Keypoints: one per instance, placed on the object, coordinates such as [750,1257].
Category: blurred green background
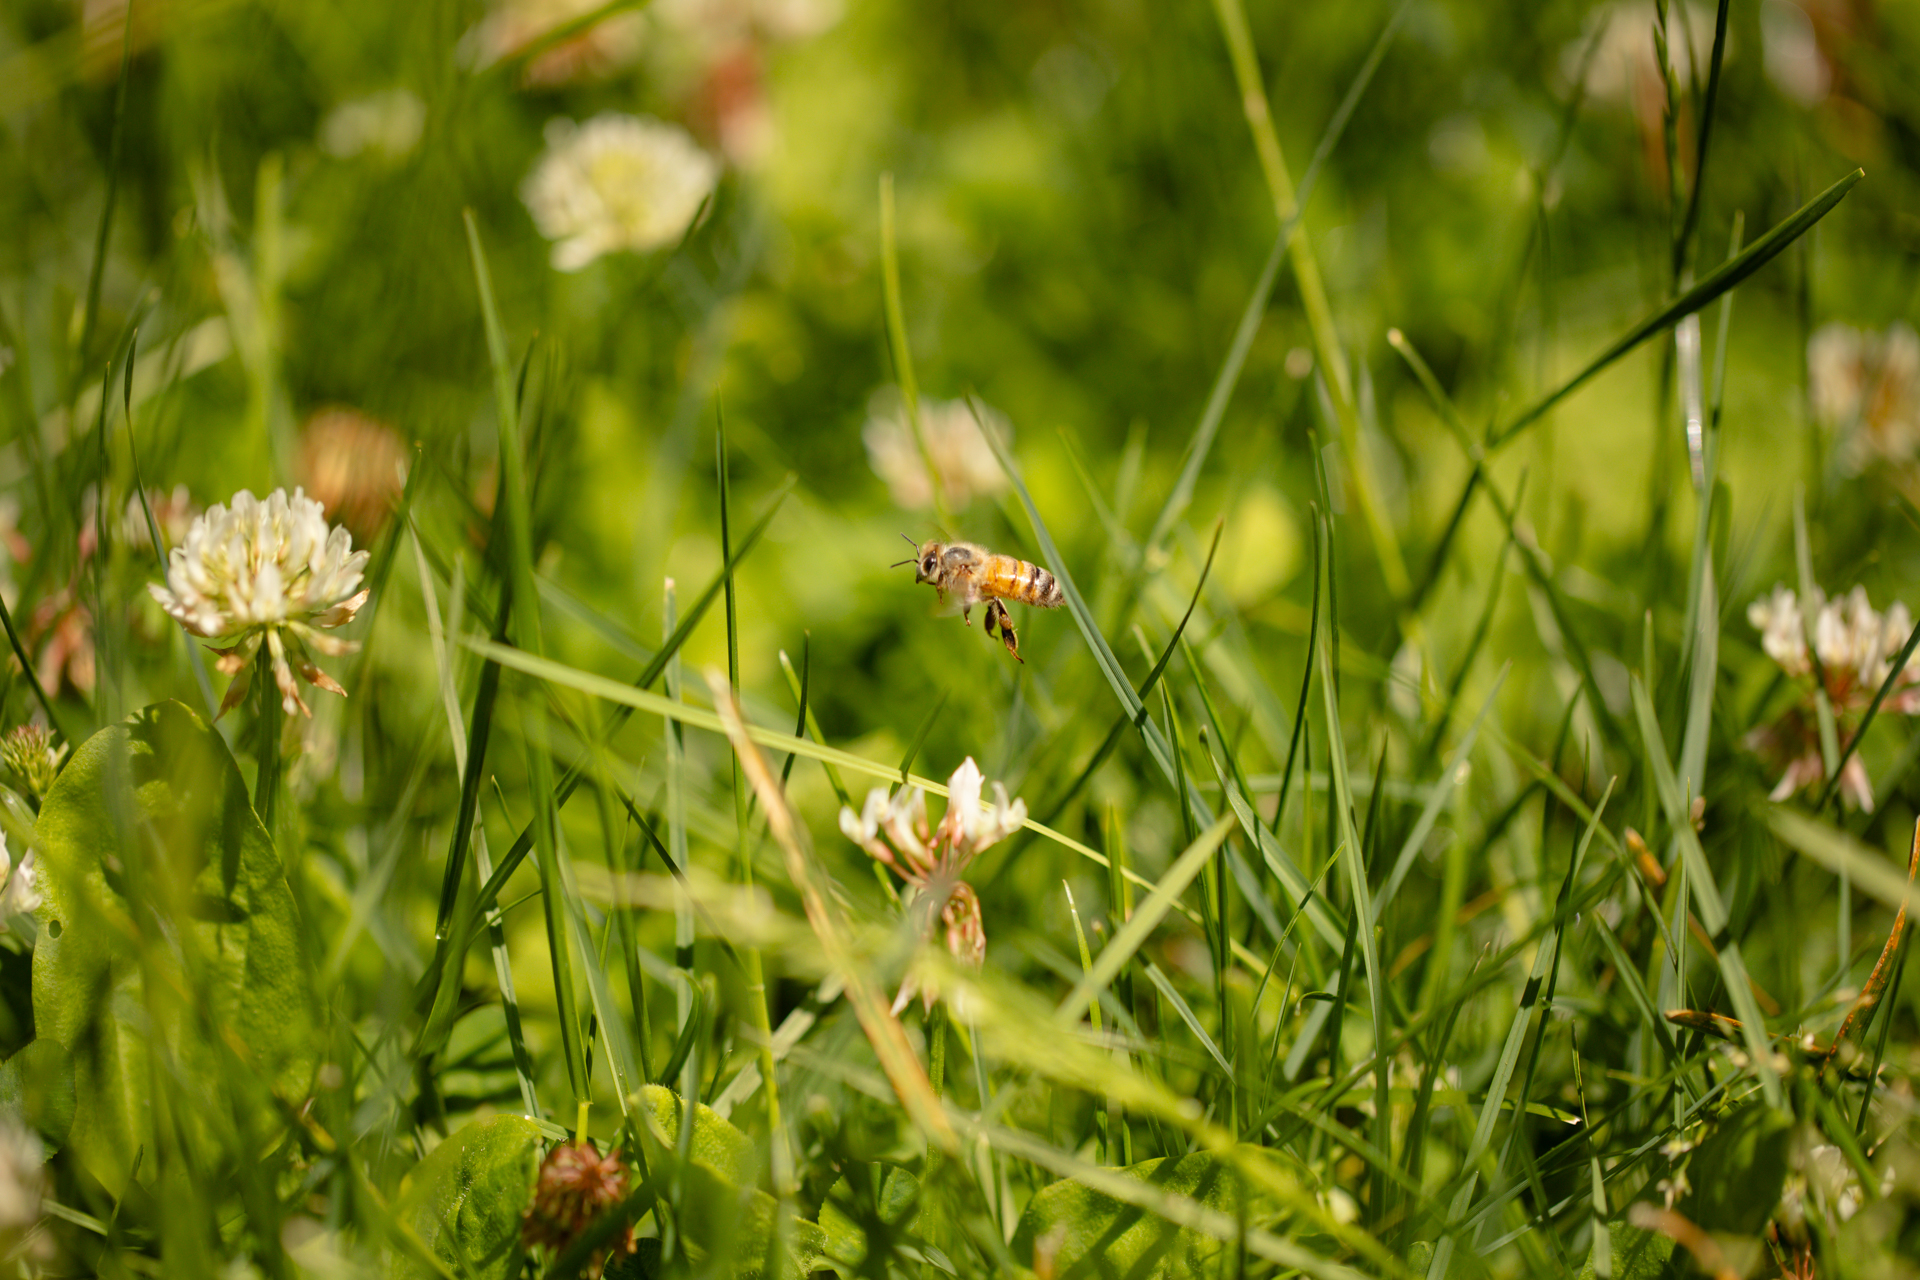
[1081,220]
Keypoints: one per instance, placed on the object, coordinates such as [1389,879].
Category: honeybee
[973,575]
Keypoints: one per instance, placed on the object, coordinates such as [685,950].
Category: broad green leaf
[1075,1230]
[1737,1172]
[885,1203]
[1637,1254]
[717,1146]
[37,1085]
[166,925]
[465,1200]
[722,1212]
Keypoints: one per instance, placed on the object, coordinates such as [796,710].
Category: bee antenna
[897,563]
[911,542]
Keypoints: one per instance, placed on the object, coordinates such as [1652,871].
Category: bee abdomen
[1045,591]
[1022,580]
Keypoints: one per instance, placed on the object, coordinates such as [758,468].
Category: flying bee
[973,575]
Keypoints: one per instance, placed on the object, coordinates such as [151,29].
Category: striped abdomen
[1013,579]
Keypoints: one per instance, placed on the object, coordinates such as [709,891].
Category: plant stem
[267,784]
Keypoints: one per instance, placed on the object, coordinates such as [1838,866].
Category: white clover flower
[932,863]
[969,827]
[1856,646]
[1865,387]
[21,1175]
[1783,632]
[961,454]
[20,893]
[617,182]
[387,124]
[272,573]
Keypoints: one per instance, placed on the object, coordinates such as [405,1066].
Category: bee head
[925,559]
[927,566]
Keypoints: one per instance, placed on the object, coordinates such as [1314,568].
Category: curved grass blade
[1130,936]
[1757,255]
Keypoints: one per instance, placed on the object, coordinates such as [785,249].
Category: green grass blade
[1361,896]
[1103,655]
[1130,936]
[526,628]
[1756,255]
[1442,791]
[96,273]
[1840,853]
[1181,1007]
[1495,1100]
[1229,376]
[1702,150]
[1706,897]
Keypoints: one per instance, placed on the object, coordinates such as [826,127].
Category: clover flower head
[355,467]
[20,893]
[1865,387]
[28,752]
[960,451]
[21,1181]
[576,1185]
[615,183]
[173,512]
[270,573]
[387,125]
[968,827]
[1855,646]
[931,862]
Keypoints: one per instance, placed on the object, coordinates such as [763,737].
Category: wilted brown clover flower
[1856,646]
[577,1186]
[355,467]
[932,861]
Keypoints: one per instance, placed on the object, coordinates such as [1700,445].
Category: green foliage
[148,835]
[1637,1254]
[730,1222]
[463,1203]
[36,1084]
[1737,1171]
[1439,846]
[870,1202]
[1089,1233]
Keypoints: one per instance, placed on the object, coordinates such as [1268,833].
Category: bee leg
[998,617]
[966,614]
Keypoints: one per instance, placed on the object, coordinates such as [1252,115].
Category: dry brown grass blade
[889,1039]
[1883,968]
